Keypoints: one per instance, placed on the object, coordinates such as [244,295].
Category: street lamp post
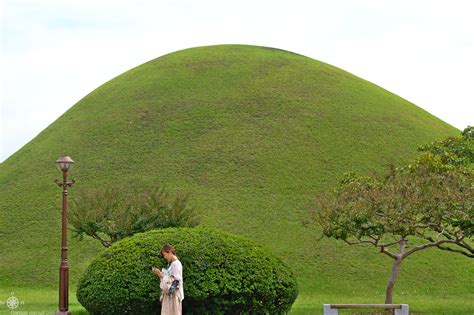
[64,163]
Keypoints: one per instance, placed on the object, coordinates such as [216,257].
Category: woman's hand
[157,272]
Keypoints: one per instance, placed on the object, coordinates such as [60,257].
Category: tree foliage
[112,214]
[428,203]
[454,151]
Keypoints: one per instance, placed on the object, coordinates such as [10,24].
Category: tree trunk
[391,280]
[393,276]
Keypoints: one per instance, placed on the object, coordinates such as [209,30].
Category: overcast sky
[54,52]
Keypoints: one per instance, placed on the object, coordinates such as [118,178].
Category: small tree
[426,204]
[112,214]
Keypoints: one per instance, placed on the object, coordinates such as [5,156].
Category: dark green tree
[112,214]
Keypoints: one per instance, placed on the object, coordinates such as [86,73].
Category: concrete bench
[333,309]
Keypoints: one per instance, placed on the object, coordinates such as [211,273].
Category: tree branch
[469,250]
[104,242]
[432,244]
[466,246]
[374,242]
[390,244]
[460,251]
[361,242]
[386,252]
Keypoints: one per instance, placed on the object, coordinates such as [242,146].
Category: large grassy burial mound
[252,133]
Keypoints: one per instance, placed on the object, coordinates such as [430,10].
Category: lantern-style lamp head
[64,163]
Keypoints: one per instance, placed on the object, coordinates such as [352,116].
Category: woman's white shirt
[176,270]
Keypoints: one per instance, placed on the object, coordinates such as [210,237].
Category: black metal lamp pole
[64,163]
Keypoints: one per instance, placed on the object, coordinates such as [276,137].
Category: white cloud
[59,51]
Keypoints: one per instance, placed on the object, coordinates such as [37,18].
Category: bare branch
[390,244]
[467,249]
[466,246]
[360,242]
[432,244]
[104,242]
[460,251]
[386,252]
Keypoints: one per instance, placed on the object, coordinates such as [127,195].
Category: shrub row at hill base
[223,274]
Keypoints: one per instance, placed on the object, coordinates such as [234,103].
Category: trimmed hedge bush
[223,274]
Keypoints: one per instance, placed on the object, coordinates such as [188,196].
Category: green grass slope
[253,133]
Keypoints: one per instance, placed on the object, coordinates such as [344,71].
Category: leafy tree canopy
[112,214]
[454,151]
[429,199]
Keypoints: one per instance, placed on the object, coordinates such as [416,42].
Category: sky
[55,52]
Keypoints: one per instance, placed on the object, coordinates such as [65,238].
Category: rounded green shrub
[223,274]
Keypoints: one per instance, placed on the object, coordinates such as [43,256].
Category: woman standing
[171,284]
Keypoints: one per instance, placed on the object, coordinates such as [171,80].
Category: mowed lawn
[40,301]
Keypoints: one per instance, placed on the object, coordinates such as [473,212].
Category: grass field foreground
[44,302]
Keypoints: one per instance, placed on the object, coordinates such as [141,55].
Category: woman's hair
[169,249]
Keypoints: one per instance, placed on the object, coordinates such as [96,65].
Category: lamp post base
[62,313]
